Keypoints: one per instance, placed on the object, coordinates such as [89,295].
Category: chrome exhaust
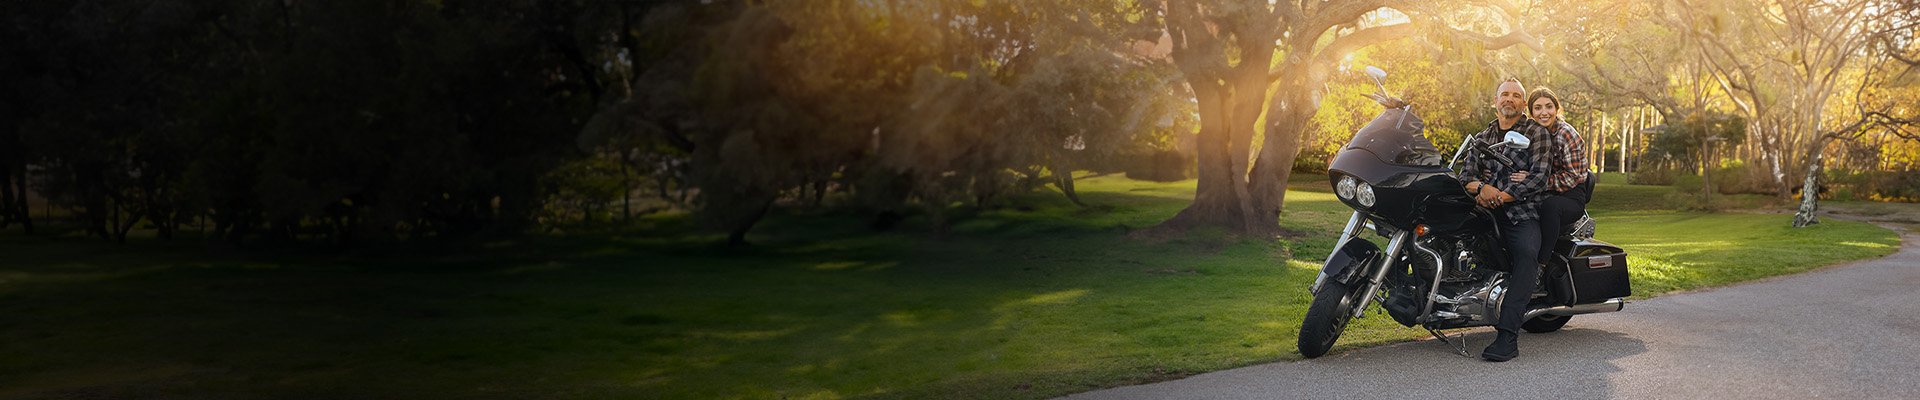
[1611,305]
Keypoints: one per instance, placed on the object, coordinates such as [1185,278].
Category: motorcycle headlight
[1345,187]
[1364,195]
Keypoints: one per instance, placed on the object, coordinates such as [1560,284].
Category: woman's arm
[1570,159]
[1542,164]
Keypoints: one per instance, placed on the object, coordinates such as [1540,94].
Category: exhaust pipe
[1611,305]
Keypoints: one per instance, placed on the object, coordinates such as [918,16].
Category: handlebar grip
[1504,160]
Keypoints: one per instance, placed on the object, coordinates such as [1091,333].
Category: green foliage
[790,97]
[1683,143]
[1898,186]
[1613,177]
[1448,87]
[1736,176]
[578,191]
[1656,176]
[351,120]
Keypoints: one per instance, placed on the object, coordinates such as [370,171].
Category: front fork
[1379,272]
[1353,224]
[1399,242]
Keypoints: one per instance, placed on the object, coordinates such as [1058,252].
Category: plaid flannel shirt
[1534,159]
[1569,158]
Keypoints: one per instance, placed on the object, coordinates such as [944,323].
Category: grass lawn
[1032,301]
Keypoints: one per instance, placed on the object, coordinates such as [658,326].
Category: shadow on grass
[818,306]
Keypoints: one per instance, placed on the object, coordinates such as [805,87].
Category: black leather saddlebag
[1597,271]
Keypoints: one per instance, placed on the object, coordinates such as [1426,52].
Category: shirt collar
[1497,134]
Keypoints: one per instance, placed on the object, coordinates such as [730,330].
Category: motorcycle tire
[1545,323]
[1332,308]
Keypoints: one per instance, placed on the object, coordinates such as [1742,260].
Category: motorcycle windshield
[1398,137]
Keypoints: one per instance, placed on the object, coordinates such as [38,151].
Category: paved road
[1845,332]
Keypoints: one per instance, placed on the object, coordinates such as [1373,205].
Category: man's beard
[1510,112]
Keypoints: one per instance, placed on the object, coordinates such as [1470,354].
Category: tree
[1247,59]
[1890,62]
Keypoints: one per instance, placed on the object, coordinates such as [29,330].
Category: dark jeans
[1558,211]
[1523,251]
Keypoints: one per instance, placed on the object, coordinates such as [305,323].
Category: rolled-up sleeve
[1570,159]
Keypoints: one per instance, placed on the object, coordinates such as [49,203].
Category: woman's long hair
[1543,91]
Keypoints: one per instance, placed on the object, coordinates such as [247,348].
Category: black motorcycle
[1443,265]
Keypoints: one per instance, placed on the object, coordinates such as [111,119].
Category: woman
[1569,186]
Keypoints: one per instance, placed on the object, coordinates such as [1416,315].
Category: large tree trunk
[25,214]
[1220,198]
[1230,100]
[13,179]
[8,199]
[738,227]
[1063,177]
[1287,122]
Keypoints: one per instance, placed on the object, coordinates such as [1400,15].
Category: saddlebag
[1596,271]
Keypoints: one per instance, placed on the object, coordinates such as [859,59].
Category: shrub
[1660,177]
[1738,177]
[1312,161]
[1686,183]
[1614,177]
[1161,166]
[1840,193]
[1901,186]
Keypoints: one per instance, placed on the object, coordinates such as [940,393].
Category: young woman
[1569,186]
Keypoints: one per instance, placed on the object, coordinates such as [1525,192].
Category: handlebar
[1504,160]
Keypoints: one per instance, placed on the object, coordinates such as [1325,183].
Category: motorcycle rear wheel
[1545,323]
[1332,308]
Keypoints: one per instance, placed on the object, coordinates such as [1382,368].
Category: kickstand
[1460,347]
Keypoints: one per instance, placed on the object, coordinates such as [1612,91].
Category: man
[1515,203]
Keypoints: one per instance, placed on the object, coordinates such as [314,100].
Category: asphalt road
[1845,332]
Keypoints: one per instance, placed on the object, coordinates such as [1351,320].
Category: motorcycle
[1443,266]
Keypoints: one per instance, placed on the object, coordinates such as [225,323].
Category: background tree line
[383,120]
[378,120]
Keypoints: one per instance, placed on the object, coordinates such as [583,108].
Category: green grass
[1020,302]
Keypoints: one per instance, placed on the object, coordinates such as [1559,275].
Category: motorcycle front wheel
[1326,318]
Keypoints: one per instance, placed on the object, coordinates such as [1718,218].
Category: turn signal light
[1420,230]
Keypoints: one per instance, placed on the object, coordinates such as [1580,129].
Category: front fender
[1346,264]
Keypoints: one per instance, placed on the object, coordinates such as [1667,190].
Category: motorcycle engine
[1469,295]
[1470,304]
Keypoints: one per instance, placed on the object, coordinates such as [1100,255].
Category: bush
[1660,177]
[1312,161]
[1686,195]
[1162,166]
[1840,193]
[1614,177]
[1901,186]
[1738,177]
[1686,184]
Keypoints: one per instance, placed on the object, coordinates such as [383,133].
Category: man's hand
[1490,197]
[1517,177]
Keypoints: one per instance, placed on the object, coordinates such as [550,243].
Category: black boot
[1505,347]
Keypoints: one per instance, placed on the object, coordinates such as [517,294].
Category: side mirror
[1517,140]
[1379,79]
